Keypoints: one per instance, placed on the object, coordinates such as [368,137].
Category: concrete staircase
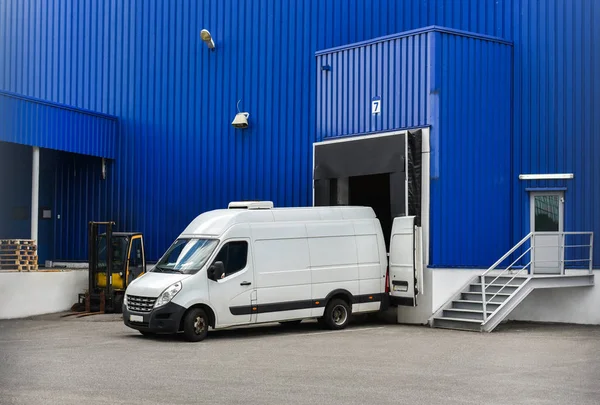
[464,311]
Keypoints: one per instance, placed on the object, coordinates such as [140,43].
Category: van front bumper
[165,319]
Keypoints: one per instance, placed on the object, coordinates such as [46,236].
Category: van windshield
[186,256]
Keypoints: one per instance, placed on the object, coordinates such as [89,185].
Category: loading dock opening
[376,170]
[373,190]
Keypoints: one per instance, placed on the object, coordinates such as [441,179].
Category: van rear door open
[402,267]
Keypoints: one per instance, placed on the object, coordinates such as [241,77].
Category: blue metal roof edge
[423,30]
[383,131]
[57,105]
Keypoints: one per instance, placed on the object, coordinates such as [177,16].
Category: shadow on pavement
[257,331]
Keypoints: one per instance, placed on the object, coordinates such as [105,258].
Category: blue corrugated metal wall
[38,123]
[396,70]
[556,108]
[143,61]
[80,196]
[457,83]
[471,150]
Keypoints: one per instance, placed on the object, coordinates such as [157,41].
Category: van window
[186,256]
[234,256]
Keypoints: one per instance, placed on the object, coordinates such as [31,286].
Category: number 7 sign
[375,105]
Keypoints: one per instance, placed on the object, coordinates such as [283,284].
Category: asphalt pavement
[97,360]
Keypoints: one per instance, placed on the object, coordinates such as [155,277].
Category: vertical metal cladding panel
[37,123]
[470,142]
[81,196]
[143,61]
[556,119]
[396,70]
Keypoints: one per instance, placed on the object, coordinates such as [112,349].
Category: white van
[252,263]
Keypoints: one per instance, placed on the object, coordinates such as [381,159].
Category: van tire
[337,314]
[195,325]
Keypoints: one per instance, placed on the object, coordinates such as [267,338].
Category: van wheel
[195,325]
[337,314]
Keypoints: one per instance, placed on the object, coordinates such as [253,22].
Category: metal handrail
[513,277]
[531,265]
[506,255]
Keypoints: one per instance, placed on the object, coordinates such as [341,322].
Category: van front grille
[140,304]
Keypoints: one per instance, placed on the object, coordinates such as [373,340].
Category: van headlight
[167,295]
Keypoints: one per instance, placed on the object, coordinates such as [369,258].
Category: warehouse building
[479,118]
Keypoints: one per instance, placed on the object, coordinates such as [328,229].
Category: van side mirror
[216,271]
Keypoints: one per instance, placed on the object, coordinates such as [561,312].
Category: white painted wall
[566,305]
[447,282]
[563,305]
[36,293]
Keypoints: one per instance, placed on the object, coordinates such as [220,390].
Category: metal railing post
[591,253]
[483,298]
[562,254]
[532,241]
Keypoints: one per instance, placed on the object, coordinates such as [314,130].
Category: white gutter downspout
[35,192]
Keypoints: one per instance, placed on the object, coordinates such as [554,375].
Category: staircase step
[457,323]
[476,305]
[518,280]
[472,296]
[464,313]
[493,288]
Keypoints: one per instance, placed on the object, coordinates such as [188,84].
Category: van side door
[231,294]
[403,277]
[283,276]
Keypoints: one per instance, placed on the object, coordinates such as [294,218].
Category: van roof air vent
[251,205]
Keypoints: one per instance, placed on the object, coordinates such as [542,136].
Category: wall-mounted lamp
[207,38]
[241,118]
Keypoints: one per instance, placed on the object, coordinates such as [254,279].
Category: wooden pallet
[17,261]
[17,242]
[26,248]
[19,267]
[19,254]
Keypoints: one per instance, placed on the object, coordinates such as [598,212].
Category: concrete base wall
[565,305]
[37,293]
[579,305]
[419,314]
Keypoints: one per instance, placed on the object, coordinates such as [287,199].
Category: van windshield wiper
[165,269]
[174,270]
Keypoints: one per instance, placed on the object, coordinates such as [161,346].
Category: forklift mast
[93,261]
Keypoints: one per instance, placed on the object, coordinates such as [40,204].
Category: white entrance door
[546,216]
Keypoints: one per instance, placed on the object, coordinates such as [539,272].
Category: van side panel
[369,266]
[333,259]
[283,279]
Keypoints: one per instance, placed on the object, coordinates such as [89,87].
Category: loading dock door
[363,171]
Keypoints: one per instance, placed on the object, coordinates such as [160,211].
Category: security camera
[240,120]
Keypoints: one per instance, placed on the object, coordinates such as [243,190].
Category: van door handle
[245,283]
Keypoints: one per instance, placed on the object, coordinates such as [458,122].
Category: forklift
[125,260]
